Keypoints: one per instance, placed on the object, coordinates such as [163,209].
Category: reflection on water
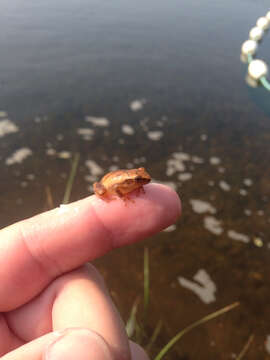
[158,85]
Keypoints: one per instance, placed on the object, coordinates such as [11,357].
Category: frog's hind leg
[122,196]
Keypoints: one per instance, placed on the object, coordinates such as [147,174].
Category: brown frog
[121,182]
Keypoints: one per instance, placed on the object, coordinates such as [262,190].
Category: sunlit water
[157,84]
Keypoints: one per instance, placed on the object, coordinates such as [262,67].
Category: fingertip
[167,196]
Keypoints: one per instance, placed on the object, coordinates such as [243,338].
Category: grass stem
[178,336]
[245,348]
[146,281]
[74,165]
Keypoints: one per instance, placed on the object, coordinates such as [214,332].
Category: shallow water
[159,85]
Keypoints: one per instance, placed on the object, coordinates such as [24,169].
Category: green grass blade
[146,281]
[178,336]
[154,336]
[74,166]
[131,323]
[245,348]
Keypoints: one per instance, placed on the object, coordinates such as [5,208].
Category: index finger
[37,250]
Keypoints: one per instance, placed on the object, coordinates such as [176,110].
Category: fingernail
[77,344]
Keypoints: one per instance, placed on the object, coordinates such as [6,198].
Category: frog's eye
[138,179]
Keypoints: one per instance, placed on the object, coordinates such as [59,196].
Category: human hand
[52,305]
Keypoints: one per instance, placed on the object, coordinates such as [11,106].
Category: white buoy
[257,68]
[249,47]
[263,23]
[256,33]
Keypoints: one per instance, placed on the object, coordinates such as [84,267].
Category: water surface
[160,85]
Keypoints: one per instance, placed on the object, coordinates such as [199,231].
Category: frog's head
[141,176]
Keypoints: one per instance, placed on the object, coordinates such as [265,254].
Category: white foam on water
[184,176]
[37,119]
[214,160]
[50,152]
[97,121]
[203,137]
[137,104]
[7,127]
[86,133]
[60,137]
[224,185]
[127,129]
[213,225]
[248,182]
[267,344]
[64,154]
[243,192]
[238,236]
[201,207]
[30,177]
[221,169]
[19,156]
[170,228]
[206,288]
[94,169]
[155,135]
[3,114]
[177,163]
[197,159]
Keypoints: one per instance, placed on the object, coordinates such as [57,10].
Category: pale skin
[52,305]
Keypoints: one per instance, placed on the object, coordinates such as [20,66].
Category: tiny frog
[121,182]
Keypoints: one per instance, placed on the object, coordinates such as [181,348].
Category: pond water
[155,84]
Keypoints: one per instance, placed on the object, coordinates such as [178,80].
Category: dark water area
[155,84]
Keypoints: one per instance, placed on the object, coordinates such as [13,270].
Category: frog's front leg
[99,189]
[123,196]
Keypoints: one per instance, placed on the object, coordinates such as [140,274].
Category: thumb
[78,343]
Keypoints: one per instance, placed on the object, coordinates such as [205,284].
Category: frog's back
[117,174]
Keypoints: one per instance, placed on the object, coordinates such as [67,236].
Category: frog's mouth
[142,181]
